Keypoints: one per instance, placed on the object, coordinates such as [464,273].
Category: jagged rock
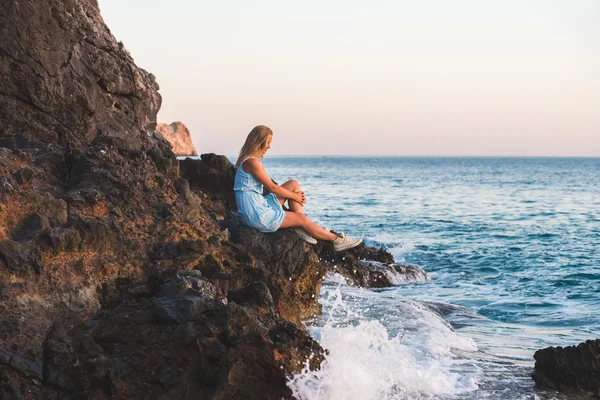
[64,239]
[367,266]
[32,226]
[378,274]
[19,257]
[183,299]
[96,234]
[187,284]
[282,252]
[54,209]
[255,293]
[24,366]
[178,310]
[66,79]
[213,174]
[178,135]
[571,368]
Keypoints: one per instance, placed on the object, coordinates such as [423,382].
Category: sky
[346,77]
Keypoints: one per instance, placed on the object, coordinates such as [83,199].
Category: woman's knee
[293,185]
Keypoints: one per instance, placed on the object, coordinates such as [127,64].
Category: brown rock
[179,136]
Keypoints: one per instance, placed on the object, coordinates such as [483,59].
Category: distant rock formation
[569,369]
[179,136]
[65,79]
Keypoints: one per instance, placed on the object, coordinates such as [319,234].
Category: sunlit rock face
[179,136]
[65,79]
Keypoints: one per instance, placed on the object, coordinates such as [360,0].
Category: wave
[412,356]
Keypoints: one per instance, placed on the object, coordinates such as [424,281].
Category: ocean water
[513,249]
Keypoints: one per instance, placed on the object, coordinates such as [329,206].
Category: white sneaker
[305,236]
[342,242]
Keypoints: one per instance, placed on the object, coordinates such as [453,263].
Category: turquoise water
[512,246]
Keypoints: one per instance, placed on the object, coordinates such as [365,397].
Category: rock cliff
[123,272]
[179,136]
[65,79]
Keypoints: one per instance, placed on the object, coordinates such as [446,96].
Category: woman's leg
[294,186]
[297,219]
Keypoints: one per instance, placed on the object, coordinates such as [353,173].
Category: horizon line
[402,156]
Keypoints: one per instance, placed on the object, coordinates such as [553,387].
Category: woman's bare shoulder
[250,164]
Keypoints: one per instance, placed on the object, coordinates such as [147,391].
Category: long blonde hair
[256,142]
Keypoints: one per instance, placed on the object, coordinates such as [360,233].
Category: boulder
[31,227]
[213,174]
[64,239]
[568,369]
[178,135]
[281,252]
[20,258]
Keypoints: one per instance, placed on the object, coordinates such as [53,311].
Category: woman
[266,213]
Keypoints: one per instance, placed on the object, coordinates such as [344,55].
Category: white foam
[334,277]
[365,361]
[403,248]
[396,277]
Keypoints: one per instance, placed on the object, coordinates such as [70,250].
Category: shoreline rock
[571,369]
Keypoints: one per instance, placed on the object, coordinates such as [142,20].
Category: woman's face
[268,144]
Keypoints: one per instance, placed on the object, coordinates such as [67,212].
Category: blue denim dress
[260,212]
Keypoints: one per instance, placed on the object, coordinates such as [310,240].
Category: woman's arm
[252,166]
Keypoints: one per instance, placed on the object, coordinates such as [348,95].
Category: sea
[512,247]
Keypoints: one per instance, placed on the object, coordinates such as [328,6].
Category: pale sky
[346,77]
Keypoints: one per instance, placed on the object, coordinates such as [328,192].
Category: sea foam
[366,360]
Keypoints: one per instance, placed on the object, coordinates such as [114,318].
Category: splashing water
[415,359]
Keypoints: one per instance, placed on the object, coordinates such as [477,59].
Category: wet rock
[379,274]
[31,227]
[19,257]
[571,368]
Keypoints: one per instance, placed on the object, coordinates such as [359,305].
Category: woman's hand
[299,197]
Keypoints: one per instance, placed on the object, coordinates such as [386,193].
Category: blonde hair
[256,142]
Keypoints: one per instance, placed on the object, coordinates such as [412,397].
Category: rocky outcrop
[123,272]
[569,369]
[119,281]
[65,79]
[178,135]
